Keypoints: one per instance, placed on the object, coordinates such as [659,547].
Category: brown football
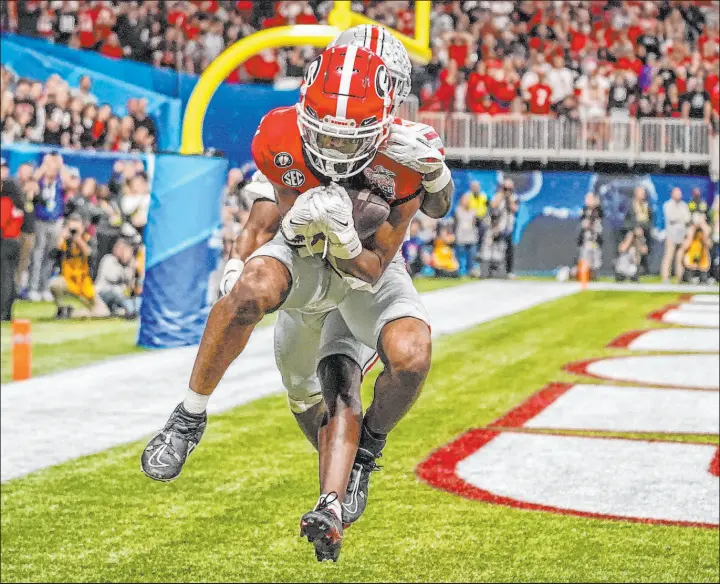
[370,211]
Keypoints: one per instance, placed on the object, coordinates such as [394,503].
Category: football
[369,211]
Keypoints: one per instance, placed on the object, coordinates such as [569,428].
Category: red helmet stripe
[345,78]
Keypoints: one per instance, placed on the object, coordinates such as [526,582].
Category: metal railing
[661,141]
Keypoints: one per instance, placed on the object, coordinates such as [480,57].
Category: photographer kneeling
[75,247]
[115,279]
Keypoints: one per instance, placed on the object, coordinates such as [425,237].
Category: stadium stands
[570,59]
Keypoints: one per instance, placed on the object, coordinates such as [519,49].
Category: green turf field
[234,513]
[59,345]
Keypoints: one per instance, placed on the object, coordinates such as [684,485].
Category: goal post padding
[184,214]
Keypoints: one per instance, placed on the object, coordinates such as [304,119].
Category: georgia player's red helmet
[344,110]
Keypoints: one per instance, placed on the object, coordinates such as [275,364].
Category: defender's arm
[437,204]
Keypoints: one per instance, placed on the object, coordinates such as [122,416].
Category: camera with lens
[91,214]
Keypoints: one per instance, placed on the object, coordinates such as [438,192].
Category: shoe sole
[158,479]
[327,542]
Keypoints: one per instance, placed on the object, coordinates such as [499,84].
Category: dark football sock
[372,441]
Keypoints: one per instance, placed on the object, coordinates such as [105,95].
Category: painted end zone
[687,315]
[625,340]
[712,299]
[531,407]
[607,408]
[580,476]
[673,371]
[672,339]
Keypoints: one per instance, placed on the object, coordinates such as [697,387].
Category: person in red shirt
[111,47]
[504,88]
[86,28]
[104,23]
[263,67]
[177,16]
[539,97]
[307,16]
[486,106]
[191,28]
[477,85]
[277,19]
[579,38]
[458,46]
[714,91]
[12,215]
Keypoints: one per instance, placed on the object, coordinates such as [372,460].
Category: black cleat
[356,495]
[323,529]
[165,455]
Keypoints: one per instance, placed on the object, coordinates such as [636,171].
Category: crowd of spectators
[73,241]
[575,59]
[476,240]
[692,235]
[690,238]
[641,58]
[55,114]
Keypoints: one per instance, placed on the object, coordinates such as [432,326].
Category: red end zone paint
[658,314]
[623,341]
[715,464]
[532,406]
[438,470]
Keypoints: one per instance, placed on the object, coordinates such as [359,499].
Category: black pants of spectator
[106,239]
[509,254]
[9,260]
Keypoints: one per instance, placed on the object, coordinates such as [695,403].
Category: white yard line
[58,417]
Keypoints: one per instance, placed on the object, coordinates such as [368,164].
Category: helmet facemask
[337,147]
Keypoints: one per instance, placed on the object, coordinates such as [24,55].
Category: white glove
[332,210]
[299,221]
[406,146]
[231,274]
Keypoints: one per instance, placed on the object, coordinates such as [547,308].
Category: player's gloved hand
[231,274]
[332,208]
[299,223]
[406,146]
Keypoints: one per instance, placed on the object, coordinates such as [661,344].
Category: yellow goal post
[318,35]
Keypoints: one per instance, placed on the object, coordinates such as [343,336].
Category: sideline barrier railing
[515,137]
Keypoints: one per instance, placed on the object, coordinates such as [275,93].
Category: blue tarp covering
[184,213]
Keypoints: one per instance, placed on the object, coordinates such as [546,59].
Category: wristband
[439,183]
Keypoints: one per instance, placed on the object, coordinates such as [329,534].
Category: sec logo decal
[283,160]
[293,178]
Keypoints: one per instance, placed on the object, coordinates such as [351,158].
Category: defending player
[401,362]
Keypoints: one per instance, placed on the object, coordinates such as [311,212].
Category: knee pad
[302,393]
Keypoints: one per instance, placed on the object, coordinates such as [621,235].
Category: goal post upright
[340,18]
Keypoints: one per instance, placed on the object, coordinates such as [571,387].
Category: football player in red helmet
[336,299]
[344,117]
